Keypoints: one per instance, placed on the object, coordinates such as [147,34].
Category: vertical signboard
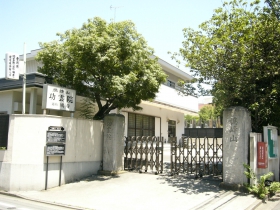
[262,155]
[58,98]
[272,149]
[12,66]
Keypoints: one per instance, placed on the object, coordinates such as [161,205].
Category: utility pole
[111,7]
[24,80]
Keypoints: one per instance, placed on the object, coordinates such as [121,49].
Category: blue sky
[160,22]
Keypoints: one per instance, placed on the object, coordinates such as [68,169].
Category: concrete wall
[23,164]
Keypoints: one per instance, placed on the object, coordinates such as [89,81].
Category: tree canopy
[206,113]
[110,63]
[237,52]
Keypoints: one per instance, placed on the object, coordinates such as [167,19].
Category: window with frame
[170,83]
[140,125]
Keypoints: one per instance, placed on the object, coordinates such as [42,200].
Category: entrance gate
[199,152]
[143,153]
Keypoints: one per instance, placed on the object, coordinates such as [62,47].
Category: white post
[24,80]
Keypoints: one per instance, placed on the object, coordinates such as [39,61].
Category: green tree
[190,118]
[206,113]
[275,7]
[237,53]
[110,63]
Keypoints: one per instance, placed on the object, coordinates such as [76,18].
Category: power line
[111,7]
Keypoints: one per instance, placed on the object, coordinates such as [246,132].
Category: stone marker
[113,146]
[237,128]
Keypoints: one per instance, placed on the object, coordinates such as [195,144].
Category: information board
[56,136]
[272,144]
[55,149]
[12,66]
[262,155]
[58,98]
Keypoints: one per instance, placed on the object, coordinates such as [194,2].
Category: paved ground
[135,191]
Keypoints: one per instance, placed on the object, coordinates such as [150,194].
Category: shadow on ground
[188,183]
[95,177]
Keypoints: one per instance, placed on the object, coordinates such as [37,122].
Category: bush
[262,188]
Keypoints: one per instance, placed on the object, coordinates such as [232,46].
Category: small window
[170,84]
[141,125]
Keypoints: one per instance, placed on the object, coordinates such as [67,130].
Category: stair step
[227,200]
[211,201]
[241,201]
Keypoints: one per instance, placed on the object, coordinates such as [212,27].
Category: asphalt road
[16,203]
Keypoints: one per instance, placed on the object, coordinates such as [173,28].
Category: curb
[44,202]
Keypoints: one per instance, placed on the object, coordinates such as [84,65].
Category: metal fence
[200,152]
[144,154]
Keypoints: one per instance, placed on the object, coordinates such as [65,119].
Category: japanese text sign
[55,149]
[58,98]
[12,66]
[262,155]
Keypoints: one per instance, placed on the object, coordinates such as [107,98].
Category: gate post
[113,145]
[236,132]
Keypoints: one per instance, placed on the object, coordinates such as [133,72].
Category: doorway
[171,129]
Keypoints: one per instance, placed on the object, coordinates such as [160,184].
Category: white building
[164,116]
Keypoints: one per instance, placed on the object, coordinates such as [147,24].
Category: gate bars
[144,153]
[198,156]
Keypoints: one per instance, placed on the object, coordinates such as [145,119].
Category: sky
[159,21]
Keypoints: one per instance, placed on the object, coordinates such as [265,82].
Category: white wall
[162,114]
[171,97]
[6,101]
[23,164]
[273,164]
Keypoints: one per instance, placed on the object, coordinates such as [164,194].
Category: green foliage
[275,7]
[110,63]
[190,118]
[206,113]
[237,53]
[274,187]
[87,109]
[260,189]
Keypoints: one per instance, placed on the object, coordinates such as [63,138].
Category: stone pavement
[133,191]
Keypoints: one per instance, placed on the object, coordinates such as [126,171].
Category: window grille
[140,125]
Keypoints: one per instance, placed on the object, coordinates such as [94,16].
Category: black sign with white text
[56,137]
[55,149]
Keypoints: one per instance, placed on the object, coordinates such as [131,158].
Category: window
[171,128]
[140,125]
[170,84]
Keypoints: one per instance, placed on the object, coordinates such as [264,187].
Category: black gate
[199,152]
[4,129]
[144,154]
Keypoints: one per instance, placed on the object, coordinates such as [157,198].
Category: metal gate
[143,153]
[200,152]
[4,130]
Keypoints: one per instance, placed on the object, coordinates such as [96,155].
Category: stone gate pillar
[236,132]
[113,145]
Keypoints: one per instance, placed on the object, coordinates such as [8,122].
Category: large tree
[237,52]
[110,63]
